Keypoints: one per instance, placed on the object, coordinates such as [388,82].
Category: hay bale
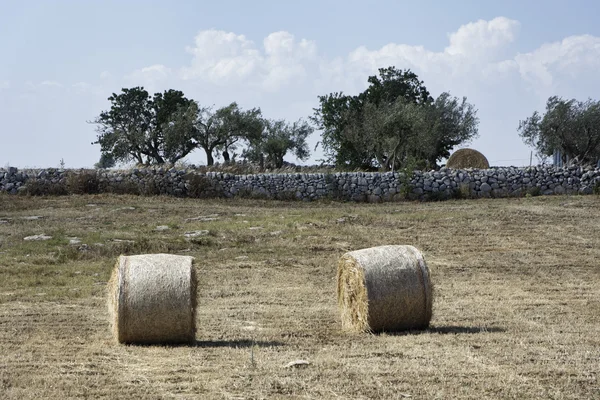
[384,288]
[467,158]
[152,299]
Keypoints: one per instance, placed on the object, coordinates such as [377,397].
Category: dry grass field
[516,313]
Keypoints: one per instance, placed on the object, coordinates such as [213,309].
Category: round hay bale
[467,158]
[152,299]
[385,288]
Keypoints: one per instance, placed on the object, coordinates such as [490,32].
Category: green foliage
[533,191]
[224,128]
[462,192]
[570,126]
[596,188]
[393,120]
[138,127]
[202,187]
[405,176]
[276,139]
[83,182]
[107,160]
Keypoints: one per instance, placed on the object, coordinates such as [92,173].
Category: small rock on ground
[192,234]
[37,237]
[297,364]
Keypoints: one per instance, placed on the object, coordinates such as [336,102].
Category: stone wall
[355,186]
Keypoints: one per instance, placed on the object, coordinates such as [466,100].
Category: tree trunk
[209,158]
[226,157]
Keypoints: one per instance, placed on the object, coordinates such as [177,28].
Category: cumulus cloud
[228,59]
[482,38]
[224,58]
[475,48]
[572,56]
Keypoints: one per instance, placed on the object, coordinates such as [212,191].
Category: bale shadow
[445,330]
[449,330]
[236,343]
[207,344]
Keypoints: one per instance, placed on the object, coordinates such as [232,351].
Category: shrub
[463,191]
[534,191]
[84,182]
[201,187]
[150,188]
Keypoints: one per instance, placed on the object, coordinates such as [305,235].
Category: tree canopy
[569,126]
[224,127]
[276,139]
[394,123]
[137,126]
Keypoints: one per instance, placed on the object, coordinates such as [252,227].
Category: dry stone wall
[354,186]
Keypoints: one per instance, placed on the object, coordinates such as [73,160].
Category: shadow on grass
[450,330]
[236,343]
[444,330]
[207,344]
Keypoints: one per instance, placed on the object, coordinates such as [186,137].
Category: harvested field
[516,312]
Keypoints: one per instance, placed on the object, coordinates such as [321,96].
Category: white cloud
[219,56]
[482,38]
[4,85]
[573,56]
[473,49]
[225,59]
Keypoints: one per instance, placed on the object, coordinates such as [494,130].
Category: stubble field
[516,313]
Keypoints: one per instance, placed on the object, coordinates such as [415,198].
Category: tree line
[168,126]
[393,124]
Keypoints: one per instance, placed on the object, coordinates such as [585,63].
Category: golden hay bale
[467,158]
[385,288]
[152,299]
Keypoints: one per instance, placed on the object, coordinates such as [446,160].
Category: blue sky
[62,59]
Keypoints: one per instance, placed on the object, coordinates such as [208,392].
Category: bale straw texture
[467,158]
[385,288]
[152,299]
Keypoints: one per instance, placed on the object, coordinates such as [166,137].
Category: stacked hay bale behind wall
[152,299]
[385,288]
[467,158]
